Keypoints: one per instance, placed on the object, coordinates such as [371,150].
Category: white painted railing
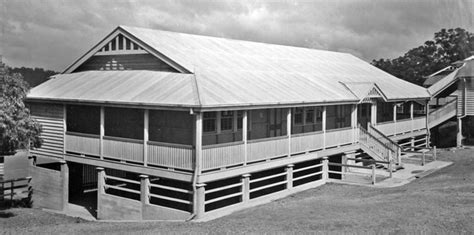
[221,155]
[339,137]
[123,149]
[170,155]
[401,126]
[307,142]
[267,148]
[83,143]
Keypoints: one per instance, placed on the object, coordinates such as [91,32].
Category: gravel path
[442,202]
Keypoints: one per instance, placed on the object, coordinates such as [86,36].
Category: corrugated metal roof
[228,73]
[203,52]
[442,83]
[123,87]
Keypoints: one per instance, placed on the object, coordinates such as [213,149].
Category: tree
[448,46]
[17,127]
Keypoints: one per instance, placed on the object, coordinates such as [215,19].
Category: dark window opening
[83,119]
[171,127]
[123,122]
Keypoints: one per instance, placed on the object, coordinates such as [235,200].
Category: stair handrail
[443,106]
[397,146]
[386,155]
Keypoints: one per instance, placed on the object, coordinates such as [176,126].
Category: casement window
[298,116]
[240,117]
[319,114]
[309,115]
[209,122]
[227,120]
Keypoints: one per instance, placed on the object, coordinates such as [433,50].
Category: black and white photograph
[236,117]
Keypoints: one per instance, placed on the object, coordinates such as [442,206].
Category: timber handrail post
[325,168]
[245,188]
[434,153]
[289,176]
[390,160]
[373,173]
[423,159]
[144,189]
[200,200]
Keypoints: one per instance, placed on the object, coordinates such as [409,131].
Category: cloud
[53,33]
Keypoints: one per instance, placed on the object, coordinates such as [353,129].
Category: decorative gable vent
[121,45]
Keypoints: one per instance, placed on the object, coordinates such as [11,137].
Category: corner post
[354,123]
[245,188]
[198,142]
[373,113]
[102,133]
[200,207]
[459,136]
[100,190]
[144,189]
[146,116]
[324,126]
[288,130]
[65,184]
[244,135]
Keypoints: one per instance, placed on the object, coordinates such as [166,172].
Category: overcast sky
[53,33]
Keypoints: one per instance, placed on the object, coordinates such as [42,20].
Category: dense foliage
[17,128]
[34,76]
[448,46]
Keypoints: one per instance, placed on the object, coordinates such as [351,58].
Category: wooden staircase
[379,146]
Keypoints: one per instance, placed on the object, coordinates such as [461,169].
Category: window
[83,119]
[227,120]
[319,114]
[123,122]
[298,117]
[171,127]
[240,117]
[309,115]
[209,122]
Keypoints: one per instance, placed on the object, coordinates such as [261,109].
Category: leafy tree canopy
[447,46]
[17,128]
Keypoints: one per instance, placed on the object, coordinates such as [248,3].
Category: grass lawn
[442,202]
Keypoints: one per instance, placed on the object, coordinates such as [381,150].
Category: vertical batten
[146,116]
[324,127]
[64,131]
[373,113]
[198,142]
[218,122]
[354,123]
[288,129]
[102,132]
[244,135]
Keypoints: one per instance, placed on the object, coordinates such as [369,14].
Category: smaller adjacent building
[452,98]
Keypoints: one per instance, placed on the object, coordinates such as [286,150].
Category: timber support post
[325,169]
[200,200]
[65,184]
[289,176]
[245,188]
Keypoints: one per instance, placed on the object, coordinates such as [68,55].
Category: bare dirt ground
[442,202]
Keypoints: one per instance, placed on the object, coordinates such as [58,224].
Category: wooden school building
[160,125]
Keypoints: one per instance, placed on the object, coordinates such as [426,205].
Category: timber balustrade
[375,142]
[179,156]
[401,126]
[83,143]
